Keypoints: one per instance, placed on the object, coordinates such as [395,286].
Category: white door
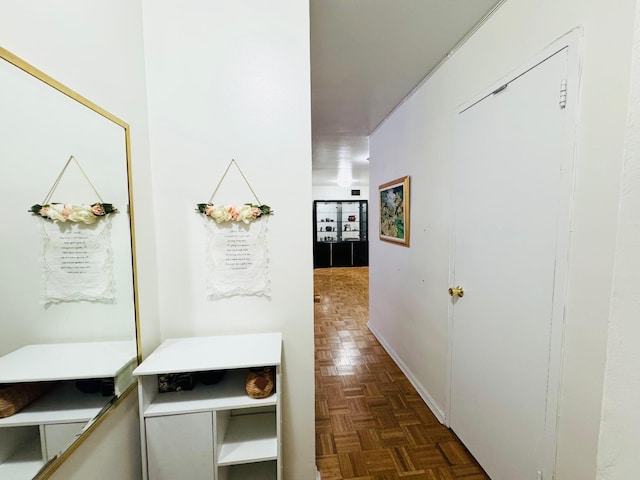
[509,156]
[180,447]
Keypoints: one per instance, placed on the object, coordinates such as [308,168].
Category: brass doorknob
[457,291]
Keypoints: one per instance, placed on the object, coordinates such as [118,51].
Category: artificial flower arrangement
[229,213]
[61,212]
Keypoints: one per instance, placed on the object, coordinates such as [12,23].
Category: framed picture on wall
[394,211]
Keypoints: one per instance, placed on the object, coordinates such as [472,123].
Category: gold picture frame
[394,216]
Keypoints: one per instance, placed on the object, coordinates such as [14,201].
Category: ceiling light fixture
[345,177]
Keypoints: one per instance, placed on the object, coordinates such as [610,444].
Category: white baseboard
[317,474]
[424,394]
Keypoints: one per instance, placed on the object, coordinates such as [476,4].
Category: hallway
[371,424]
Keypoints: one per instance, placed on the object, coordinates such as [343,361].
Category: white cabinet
[214,431]
[56,438]
[44,429]
[49,425]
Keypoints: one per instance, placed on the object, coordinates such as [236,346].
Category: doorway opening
[370,420]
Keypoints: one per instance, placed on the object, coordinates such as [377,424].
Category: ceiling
[366,57]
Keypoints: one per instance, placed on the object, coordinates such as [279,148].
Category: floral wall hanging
[87,214]
[77,258]
[229,213]
[236,250]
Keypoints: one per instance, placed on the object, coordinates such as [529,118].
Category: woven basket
[14,398]
[259,382]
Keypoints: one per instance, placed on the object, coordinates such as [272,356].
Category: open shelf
[64,404]
[25,463]
[249,438]
[252,471]
[228,394]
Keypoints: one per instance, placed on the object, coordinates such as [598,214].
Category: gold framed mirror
[65,358]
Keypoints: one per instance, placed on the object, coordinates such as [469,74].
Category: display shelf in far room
[251,471]
[229,393]
[346,243]
[25,463]
[249,439]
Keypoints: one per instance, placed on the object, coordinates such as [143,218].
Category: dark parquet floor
[371,424]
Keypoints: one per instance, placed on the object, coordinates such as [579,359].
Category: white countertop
[66,361]
[195,354]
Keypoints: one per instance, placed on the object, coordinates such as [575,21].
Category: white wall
[339,193]
[230,80]
[408,285]
[95,48]
[40,128]
[619,433]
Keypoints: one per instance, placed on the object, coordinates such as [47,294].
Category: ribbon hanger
[233,162]
[64,169]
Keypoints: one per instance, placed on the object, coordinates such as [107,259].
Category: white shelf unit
[50,424]
[44,429]
[213,431]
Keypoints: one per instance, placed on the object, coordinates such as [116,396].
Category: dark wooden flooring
[371,424]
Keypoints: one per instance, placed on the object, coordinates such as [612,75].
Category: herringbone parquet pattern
[371,424]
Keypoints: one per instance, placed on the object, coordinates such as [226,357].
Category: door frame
[572,41]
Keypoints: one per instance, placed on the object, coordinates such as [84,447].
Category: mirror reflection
[64,356]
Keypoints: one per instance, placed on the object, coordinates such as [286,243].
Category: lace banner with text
[77,262]
[237,259]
